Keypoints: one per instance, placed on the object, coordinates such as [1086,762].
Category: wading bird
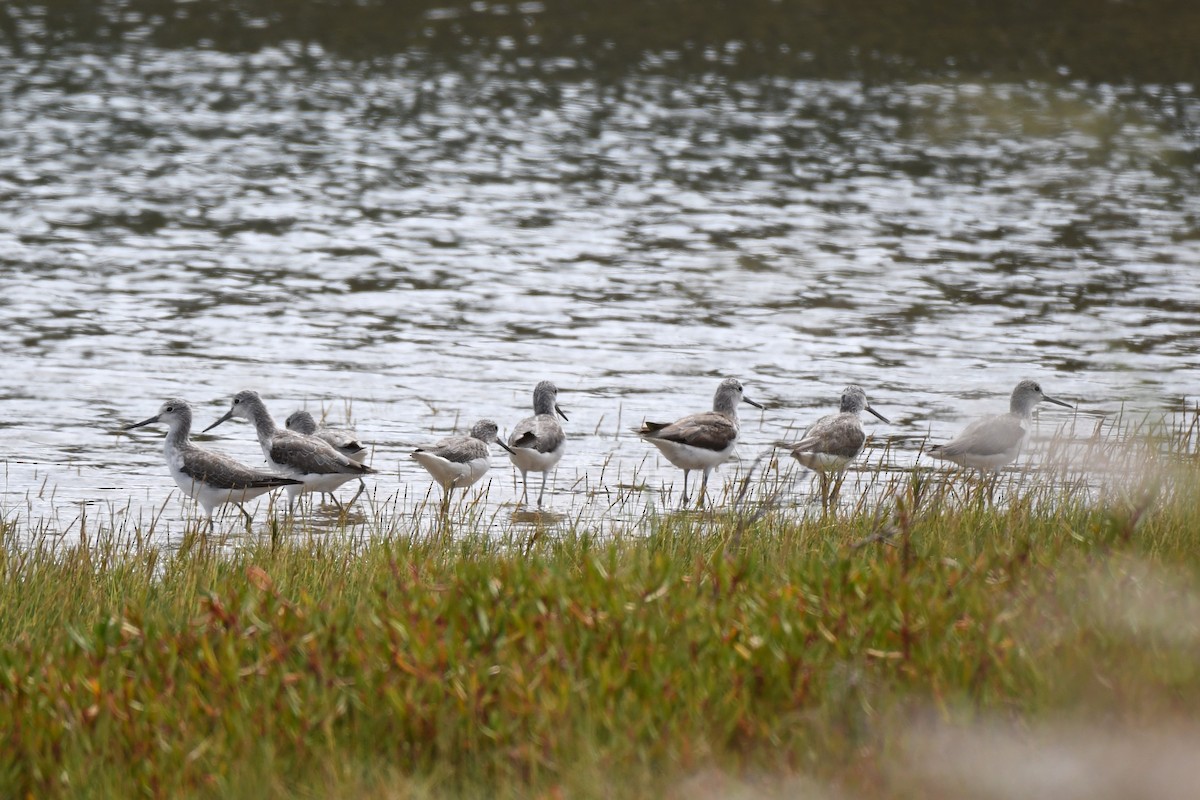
[210,478]
[700,441]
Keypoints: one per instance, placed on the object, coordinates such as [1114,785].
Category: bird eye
[236,401]
[169,409]
[1037,388]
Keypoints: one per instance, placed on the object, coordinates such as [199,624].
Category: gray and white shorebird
[313,462]
[212,479]
[344,442]
[537,443]
[834,441]
[994,442]
[700,441]
[457,462]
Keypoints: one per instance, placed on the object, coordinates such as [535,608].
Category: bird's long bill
[880,416]
[1056,401]
[751,402]
[228,415]
[141,424]
[502,444]
[561,413]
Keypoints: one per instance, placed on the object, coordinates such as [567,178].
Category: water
[414,245]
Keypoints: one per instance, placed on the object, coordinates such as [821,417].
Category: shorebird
[994,442]
[313,462]
[459,461]
[700,441]
[835,440]
[210,478]
[537,443]
[344,442]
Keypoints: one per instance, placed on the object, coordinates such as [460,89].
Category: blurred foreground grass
[706,655]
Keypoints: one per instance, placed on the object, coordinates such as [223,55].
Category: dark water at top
[410,213]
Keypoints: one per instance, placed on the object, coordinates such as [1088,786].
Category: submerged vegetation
[748,649]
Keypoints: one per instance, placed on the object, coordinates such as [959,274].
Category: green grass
[759,655]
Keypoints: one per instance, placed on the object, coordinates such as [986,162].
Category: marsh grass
[743,649]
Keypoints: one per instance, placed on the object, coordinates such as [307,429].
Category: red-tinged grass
[765,657]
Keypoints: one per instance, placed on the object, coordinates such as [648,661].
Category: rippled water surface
[414,246]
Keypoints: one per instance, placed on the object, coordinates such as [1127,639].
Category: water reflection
[413,248]
[1151,42]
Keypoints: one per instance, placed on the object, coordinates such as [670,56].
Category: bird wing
[221,471]
[312,456]
[989,436]
[457,449]
[835,435]
[708,430]
[541,432]
[342,441]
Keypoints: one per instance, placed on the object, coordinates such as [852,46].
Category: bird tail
[273,481]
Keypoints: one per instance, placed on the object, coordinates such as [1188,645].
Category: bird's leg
[543,490]
[362,487]
[835,491]
[683,503]
[524,487]
[246,514]
[703,488]
[978,481]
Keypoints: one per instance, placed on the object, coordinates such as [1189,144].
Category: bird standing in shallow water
[834,441]
[210,478]
[700,441]
[459,461]
[312,462]
[537,443]
[994,442]
[344,442]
